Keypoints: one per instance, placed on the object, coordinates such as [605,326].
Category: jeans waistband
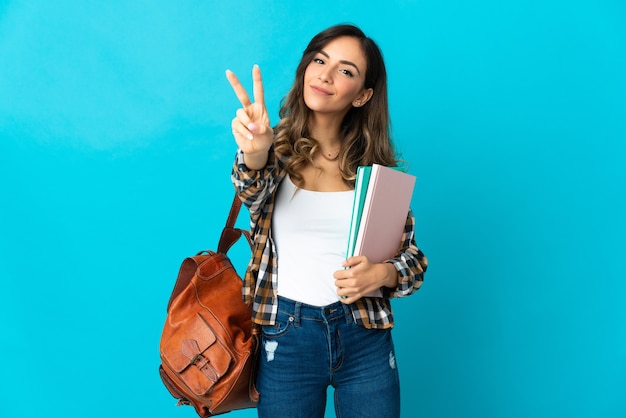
[301,310]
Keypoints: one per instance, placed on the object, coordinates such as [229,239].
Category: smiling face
[334,79]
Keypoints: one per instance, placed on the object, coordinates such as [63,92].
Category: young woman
[297,179]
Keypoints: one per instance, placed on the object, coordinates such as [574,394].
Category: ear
[363,97]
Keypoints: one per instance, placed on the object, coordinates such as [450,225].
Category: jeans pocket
[284,322]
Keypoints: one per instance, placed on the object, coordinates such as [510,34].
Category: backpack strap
[230,234]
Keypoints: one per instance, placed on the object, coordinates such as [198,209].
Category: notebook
[383,215]
[382,201]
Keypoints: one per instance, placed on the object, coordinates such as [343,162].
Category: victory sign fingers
[251,125]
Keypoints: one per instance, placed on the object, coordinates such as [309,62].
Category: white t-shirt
[310,231]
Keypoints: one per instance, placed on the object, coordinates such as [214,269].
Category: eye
[347,72]
[318,60]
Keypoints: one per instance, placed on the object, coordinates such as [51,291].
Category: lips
[320,90]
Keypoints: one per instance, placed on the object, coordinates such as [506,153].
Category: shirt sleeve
[410,263]
[254,187]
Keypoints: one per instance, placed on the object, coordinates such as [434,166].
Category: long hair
[365,130]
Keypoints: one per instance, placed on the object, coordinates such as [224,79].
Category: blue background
[115,155]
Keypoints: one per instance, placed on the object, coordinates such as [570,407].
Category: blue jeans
[311,348]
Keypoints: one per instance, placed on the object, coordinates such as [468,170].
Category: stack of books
[382,199]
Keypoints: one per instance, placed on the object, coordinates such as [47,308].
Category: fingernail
[250,137]
[253,127]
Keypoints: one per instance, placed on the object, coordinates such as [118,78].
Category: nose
[325,75]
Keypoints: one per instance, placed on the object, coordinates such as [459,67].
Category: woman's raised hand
[251,126]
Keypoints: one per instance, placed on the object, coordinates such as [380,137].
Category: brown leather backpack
[208,347]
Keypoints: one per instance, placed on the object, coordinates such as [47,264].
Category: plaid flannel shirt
[256,189]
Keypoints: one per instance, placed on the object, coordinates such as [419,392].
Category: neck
[326,130]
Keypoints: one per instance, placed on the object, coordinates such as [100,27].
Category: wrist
[390,276]
[255,160]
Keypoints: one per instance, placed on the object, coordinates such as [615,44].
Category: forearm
[410,267]
[255,186]
[410,264]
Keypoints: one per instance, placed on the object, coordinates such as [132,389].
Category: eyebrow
[343,62]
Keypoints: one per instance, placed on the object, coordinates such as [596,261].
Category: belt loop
[348,313]
[296,313]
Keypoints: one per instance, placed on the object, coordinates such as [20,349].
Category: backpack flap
[196,355]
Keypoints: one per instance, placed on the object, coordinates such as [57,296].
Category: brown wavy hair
[366,130]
